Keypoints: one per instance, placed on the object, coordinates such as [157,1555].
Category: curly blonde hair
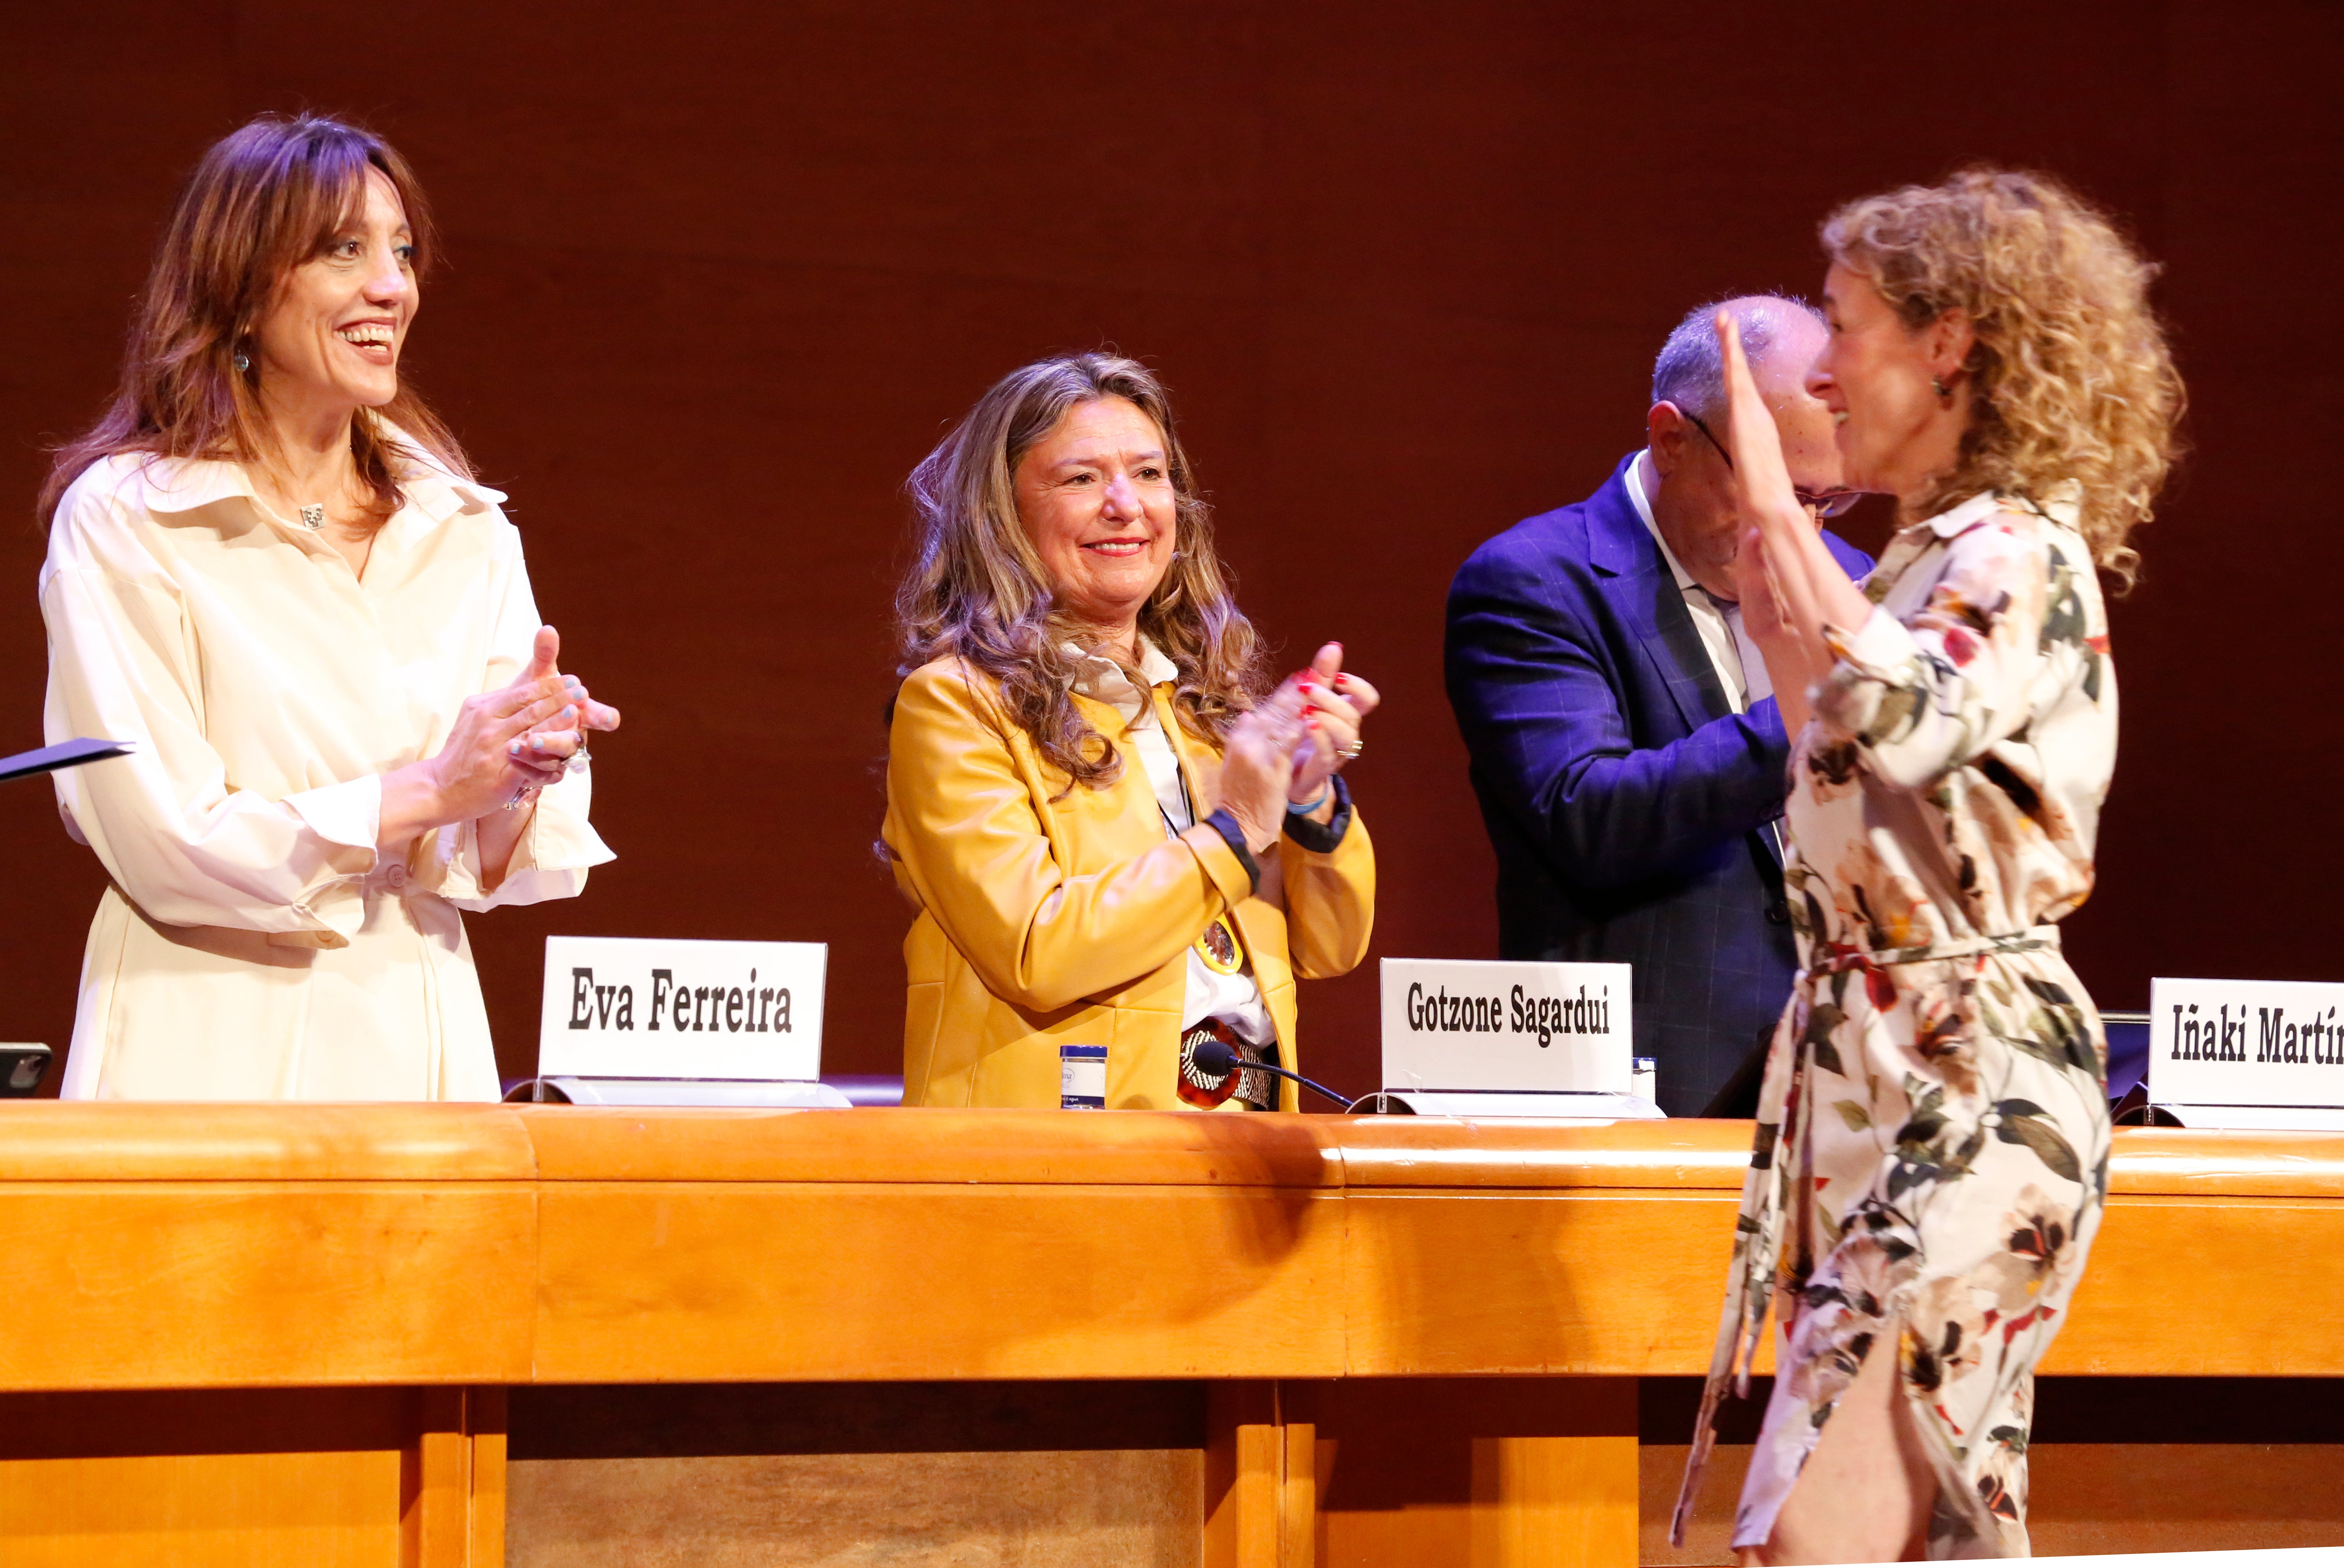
[2070,376]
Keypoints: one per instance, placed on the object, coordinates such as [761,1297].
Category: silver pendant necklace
[313,516]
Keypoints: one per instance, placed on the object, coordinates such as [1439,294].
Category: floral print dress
[1931,1157]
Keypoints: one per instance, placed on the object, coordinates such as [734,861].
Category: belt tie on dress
[392,877]
[2030,940]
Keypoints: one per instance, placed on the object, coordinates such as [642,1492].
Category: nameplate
[1464,1024]
[652,1007]
[2246,1043]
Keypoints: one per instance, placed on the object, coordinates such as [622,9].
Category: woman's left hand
[1332,704]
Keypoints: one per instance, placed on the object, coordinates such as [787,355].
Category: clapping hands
[559,742]
[1282,752]
[504,746]
[1331,705]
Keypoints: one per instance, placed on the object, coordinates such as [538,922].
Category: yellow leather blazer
[1048,918]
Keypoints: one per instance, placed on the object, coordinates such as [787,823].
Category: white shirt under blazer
[252,944]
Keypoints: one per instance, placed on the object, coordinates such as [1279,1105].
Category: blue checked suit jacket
[1627,803]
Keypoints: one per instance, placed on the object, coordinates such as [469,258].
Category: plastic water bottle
[1082,1077]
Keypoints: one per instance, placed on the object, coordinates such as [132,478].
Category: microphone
[1216,1057]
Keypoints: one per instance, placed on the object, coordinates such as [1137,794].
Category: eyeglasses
[1827,503]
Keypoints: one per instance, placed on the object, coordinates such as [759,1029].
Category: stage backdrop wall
[721,275]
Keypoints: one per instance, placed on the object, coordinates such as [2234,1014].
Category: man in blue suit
[1624,739]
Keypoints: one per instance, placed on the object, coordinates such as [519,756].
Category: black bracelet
[1321,838]
[1226,824]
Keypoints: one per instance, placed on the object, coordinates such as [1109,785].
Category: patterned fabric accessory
[2041,936]
[1209,1091]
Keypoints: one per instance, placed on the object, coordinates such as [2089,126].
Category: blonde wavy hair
[2070,376]
[977,591]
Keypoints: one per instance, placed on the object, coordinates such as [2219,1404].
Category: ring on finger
[581,757]
[1351,752]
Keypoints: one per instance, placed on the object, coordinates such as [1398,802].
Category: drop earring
[1944,393]
[244,364]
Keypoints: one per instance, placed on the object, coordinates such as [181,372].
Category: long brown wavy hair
[977,591]
[2070,376]
[264,199]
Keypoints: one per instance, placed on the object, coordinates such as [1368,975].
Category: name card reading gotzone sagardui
[649,1007]
[1460,1023]
[2246,1043]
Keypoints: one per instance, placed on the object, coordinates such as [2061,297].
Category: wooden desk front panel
[230,1478]
[243,1284]
[147,1252]
[223,1248]
[1619,1283]
[664,1280]
[2221,1287]
[215,1477]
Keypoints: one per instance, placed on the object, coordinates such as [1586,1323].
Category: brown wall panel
[722,274]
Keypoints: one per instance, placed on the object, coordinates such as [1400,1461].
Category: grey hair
[1691,370]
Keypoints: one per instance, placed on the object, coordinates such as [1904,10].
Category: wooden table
[392,1334]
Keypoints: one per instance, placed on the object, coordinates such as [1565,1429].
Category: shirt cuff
[559,837]
[1221,850]
[550,859]
[1850,698]
[1225,823]
[1881,647]
[1321,838]
[347,815]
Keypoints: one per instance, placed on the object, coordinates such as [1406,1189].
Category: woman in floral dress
[1932,1146]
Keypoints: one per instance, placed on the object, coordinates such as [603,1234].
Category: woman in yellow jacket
[1111,836]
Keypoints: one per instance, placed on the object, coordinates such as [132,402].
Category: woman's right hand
[1257,767]
[559,741]
[1810,588]
[482,765]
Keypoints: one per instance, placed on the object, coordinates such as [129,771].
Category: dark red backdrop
[722,274]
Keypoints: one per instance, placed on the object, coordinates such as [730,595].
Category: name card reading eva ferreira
[652,1007]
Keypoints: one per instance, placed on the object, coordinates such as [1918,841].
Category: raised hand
[1788,668]
[1768,499]
[1257,768]
[1331,705]
[555,743]
[1757,594]
[1799,588]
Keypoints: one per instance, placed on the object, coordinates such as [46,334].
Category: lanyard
[1218,945]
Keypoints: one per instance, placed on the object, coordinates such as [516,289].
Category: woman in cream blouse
[1111,836]
[270,569]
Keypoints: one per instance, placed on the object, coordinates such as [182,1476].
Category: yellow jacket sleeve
[1331,902]
[977,843]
